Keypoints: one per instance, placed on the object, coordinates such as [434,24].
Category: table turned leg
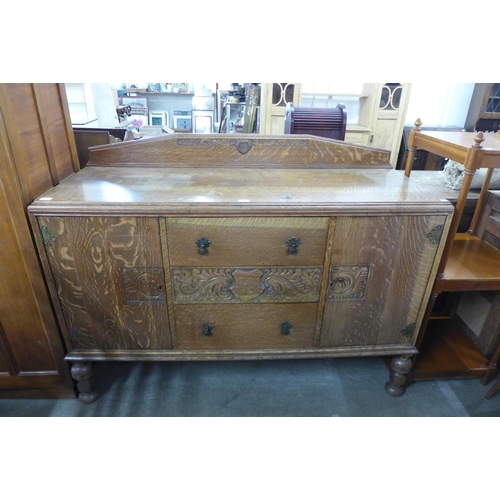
[400,368]
[83,374]
[493,390]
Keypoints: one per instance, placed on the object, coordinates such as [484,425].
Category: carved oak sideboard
[196,247]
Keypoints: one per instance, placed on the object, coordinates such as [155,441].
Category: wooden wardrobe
[37,151]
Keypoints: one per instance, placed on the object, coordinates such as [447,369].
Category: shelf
[472,265]
[144,92]
[447,352]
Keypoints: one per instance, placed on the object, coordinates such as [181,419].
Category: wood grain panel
[398,256]
[245,326]
[61,140]
[8,365]
[33,166]
[87,260]
[199,150]
[21,287]
[254,241]
[59,251]
[32,350]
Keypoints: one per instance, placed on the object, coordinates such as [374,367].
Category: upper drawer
[247,241]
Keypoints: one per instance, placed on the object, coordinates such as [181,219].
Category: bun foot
[400,367]
[83,374]
[394,390]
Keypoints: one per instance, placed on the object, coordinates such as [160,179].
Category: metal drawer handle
[207,329]
[286,326]
[293,245]
[203,244]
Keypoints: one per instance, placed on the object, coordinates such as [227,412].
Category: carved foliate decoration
[348,282]
[49,236]
[434,236]
[246,285]
[142,284]
[408,331]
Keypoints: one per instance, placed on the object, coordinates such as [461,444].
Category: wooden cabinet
[274,98]
[37,151]
[375,111]
[484,109]
[194,247]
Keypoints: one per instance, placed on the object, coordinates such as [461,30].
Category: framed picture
[183,87]
[182,122]
[135,102]
[159,118]
[202,121]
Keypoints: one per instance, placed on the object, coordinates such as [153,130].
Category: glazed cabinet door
[378,277]
[109,280]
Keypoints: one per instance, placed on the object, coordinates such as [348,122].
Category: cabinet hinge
[48,235]
[408,330]
[434,236]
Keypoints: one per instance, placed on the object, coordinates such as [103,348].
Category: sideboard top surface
[184,174]
[176,191]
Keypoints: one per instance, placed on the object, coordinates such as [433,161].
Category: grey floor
[346,387]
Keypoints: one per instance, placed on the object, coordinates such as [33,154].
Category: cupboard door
[108,272]
[379,274]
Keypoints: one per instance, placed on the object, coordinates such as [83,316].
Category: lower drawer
[245,326]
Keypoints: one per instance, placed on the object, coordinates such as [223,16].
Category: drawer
[247,241]
[245,326]
[248,285]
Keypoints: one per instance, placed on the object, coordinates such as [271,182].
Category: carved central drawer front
[246,241]
[245,326]
[255,285]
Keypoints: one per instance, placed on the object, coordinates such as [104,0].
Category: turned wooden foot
[493,390]
[83,374]
[400,368]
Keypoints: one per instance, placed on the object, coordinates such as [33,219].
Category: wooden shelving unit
[468,263]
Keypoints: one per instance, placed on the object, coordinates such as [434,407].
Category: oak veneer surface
[246,326]
[190,190]
[94,259]
[228,150]
[379,247]
[239,248]
[257,241]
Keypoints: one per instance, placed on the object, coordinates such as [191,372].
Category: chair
[323,122]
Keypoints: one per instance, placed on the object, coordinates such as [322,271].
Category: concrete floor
[346,387]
